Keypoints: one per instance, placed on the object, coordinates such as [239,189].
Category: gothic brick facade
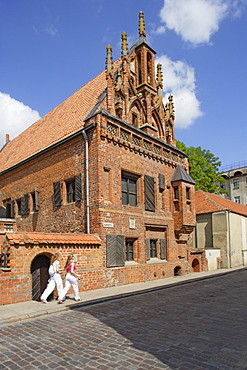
[102,167]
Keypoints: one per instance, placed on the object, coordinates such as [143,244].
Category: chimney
[7,138]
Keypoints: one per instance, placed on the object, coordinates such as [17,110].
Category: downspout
[229,240]
[87,176]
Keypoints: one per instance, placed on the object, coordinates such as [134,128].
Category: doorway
[196,265]
[40,276]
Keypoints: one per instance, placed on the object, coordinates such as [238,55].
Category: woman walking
[71,279]
[55,279]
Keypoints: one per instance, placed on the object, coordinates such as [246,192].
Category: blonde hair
[54,258]
[70,258]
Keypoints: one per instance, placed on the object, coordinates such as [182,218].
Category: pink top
[69,268]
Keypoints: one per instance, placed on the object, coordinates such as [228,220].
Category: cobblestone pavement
[199,325]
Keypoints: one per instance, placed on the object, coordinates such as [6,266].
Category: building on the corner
[221,230]
[99,176]
[235,177]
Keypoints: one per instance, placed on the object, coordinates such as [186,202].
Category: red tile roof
[208,203]
[52,238]
[64,120]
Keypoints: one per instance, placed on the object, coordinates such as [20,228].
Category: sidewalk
[26,310]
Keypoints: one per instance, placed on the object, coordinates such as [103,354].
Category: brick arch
[177,271]
[137,107]
[196,265]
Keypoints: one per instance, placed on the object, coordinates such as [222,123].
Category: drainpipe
[87,175]
[229,240]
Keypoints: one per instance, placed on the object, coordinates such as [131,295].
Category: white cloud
[179,80]
[15,117]
[196,20]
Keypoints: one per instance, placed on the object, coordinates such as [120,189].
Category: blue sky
[49,49]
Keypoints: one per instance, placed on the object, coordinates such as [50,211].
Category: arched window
[149,68]
[139,68]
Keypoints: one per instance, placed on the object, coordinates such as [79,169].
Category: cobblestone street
[198,325]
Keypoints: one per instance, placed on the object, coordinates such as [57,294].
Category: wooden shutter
[36,197]
[148,249]
[25,204]
[161,181]
[163,249]
[12,209]
[149,193]
[57,194]
[114,250]
[78,188]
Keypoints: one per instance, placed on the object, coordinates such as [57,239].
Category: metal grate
[111,129]
[136,140]
[3,260]
[146,145]
[125,135]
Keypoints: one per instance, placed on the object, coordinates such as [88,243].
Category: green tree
[204,167]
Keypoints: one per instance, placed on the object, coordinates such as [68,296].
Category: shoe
[78,299]
[59,301]
[44,300]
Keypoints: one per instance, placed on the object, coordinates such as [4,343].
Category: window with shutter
[161,181]
[114,250]
[129,190]
[24,205]
[57,193]
[163,249]
[149,193]
[148,249]
[78,187]
[35,200]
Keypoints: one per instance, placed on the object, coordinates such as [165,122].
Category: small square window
[237,199]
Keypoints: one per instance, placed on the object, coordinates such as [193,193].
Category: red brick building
[100,175]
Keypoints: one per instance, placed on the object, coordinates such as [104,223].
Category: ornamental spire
[159,76]
[142,31]
[124,45]
[109,59]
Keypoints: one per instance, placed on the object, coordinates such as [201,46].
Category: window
[129,191]
[187,193]
[18,202]
[35,201]
[175,192]
[129,250]
[70,191]
[9,205]
[153,248]
[237,199]
[134,119]
[235,183]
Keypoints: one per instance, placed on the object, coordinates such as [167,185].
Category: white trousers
[54,281]
[70,280]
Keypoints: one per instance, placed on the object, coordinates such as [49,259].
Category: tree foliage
[204,167]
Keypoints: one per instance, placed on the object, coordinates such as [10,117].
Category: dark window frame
[128,194]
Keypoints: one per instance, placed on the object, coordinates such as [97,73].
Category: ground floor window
[129,250]
[153,248]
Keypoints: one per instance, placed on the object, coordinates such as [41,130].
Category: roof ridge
[210,199]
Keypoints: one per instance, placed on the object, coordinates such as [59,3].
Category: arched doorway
[177,271]
[40,275]
[196,265]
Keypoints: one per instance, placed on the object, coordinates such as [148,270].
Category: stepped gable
[63,121]
[208,203]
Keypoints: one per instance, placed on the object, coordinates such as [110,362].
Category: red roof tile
[64,120]
[52,238]
[207,203]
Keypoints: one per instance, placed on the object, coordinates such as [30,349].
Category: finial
[109,59]
[159,76]
[171,106]
[142,31]
[124,45]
